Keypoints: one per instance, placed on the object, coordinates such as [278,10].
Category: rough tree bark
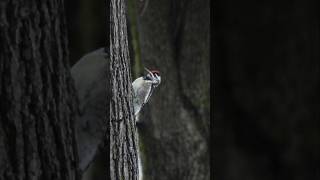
[123,148]
[37,97]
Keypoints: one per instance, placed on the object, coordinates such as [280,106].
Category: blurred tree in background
[174,134]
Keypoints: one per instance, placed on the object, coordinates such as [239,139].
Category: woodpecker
[143,88]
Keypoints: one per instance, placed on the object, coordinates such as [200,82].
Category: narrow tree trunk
[123,148]
[37,98]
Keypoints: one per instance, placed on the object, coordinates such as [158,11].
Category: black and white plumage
[143,88]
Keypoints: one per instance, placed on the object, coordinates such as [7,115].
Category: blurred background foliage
[173,37]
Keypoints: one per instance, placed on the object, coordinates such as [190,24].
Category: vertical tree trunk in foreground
[37,98]
[123,148]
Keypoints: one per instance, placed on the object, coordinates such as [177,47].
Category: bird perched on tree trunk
[143,88]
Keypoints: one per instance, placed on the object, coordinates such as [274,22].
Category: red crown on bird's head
[155,72]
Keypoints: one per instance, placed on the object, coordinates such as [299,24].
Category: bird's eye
[148,77]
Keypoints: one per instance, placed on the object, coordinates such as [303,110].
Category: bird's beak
[159,79]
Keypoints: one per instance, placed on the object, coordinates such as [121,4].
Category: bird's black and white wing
[142,90]
[149,95]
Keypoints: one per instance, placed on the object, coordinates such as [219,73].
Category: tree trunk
[37,97]
[123,148]
[174,38]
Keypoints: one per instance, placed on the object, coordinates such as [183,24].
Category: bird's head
[153,76]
